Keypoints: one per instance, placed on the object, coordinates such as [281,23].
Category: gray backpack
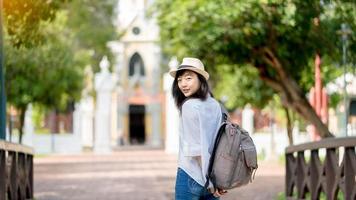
[234,158]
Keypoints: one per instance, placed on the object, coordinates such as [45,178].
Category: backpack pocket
[251,157]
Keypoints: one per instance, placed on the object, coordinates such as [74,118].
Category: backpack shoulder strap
[224,112]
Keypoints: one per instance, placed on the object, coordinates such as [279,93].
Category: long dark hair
[201,93]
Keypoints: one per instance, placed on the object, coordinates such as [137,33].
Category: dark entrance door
[353,108]
[137,124]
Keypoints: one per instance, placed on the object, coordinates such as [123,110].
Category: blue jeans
[188,189]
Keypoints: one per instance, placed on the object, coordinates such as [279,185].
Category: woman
[200,118]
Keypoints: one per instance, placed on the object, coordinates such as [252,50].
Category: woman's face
[188,83]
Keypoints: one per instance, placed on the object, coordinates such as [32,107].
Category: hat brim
[205,74]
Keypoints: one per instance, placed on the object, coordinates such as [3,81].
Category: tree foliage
[279,38]
[49,73]
[23,18]
[235,86]
[92,23]
[47,46]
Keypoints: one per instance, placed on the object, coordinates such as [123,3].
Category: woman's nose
[184,83]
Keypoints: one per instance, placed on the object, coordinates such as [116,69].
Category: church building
[137,69]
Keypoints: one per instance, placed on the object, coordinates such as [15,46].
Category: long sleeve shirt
[199,124]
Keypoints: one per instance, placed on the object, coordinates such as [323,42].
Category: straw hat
[192,64]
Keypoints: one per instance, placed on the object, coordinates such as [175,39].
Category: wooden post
[2,175]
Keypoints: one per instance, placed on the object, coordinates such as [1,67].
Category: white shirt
[199,124]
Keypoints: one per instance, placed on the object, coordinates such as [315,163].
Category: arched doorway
[136,66]
[137,124]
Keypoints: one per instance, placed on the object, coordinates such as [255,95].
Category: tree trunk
[22,122]
[290,92]
[289,126]
[9,117]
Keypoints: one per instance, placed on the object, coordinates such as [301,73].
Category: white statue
[104,65]
[104,85]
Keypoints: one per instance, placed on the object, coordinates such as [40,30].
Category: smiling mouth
[185,91]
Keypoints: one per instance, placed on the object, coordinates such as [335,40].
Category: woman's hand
[219,192]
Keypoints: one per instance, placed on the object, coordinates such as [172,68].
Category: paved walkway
[132,175]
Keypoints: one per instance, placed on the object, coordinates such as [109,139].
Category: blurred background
[86,81]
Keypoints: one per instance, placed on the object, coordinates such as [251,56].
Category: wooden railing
[16,171]
[322,170]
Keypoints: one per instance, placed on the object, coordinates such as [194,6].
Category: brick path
[131,175]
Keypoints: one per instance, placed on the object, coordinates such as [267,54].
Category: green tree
[47,45]
[246,78]
[91,21]
[278,38]
[48,74]
[23,19]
